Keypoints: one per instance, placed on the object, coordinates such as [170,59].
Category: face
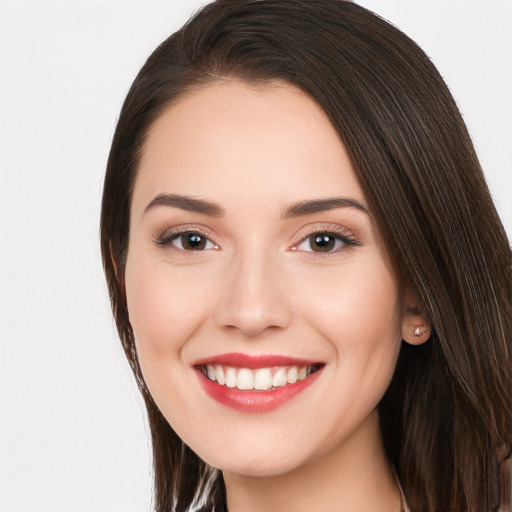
[266,314]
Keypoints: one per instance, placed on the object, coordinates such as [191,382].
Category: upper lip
[253,361]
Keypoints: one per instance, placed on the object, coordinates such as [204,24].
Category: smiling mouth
[256,383]
[260,379]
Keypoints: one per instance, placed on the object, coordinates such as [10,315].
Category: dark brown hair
[446,417]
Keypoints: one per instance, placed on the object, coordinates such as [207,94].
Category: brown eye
[193,241]
[322,242]
[187,241]
[325,242]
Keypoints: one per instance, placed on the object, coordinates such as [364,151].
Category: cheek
[359,304]
[164,307]
[359,312]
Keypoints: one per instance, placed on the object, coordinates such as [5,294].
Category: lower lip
[255,401]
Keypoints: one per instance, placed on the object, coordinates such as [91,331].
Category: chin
[256,467]
[258,459]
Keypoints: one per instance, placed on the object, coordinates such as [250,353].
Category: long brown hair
[446,417]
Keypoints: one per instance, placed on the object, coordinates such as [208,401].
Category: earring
[420,331]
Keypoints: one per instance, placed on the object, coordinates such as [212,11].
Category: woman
[309,278]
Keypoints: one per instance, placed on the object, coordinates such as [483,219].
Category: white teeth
[219,375]
[263,379]
[211,372]
[279,378]
[245,380]
[230,378]
[292,375]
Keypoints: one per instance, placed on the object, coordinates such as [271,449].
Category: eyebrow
[322,205]
[203,206]
[187,203]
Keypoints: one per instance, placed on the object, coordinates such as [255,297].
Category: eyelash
[334,232]
[170,236]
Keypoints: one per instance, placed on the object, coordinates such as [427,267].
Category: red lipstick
[255,400]
[253,361]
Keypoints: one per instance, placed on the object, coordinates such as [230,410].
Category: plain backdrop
[73,435]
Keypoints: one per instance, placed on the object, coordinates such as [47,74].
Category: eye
[325,242]
[188,241]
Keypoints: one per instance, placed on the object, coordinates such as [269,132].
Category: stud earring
[420,331]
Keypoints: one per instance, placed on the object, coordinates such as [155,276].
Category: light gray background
[73,435]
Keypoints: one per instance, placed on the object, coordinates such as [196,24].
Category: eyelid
[347,236]
[176,241]
[168,235]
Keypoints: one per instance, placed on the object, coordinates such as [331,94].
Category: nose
[253,299]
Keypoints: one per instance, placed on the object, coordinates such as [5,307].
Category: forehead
[242,142]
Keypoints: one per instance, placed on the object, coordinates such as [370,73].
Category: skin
[261,287]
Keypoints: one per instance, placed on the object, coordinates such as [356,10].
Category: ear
[416,327]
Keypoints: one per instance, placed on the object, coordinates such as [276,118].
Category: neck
[352,476]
